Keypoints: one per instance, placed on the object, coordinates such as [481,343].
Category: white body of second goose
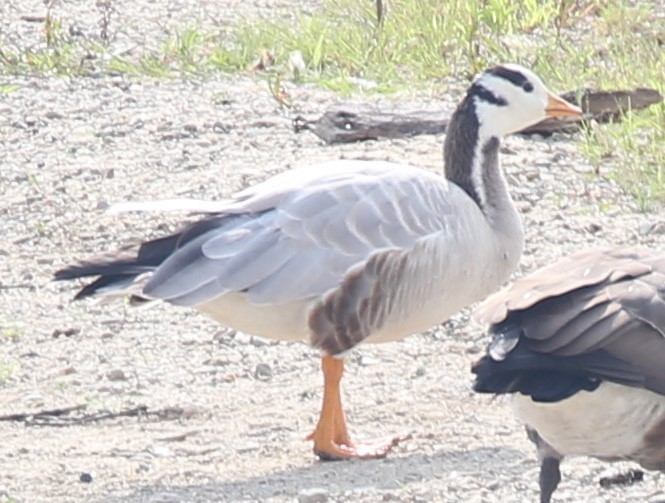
[608,423]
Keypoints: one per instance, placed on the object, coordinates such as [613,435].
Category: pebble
[258,342]
[654,228]
[645,228]
[160,451]
[67,332]
[657,498]
[389,496]
[116,375]
[85,477]
[626,477]
[263,372]
[658,228]
[313,495]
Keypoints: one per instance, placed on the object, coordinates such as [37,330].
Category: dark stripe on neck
[462,137]
[516,78]
[460,146]
[486,95]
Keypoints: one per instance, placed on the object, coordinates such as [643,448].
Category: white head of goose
[348,251]
[581,344]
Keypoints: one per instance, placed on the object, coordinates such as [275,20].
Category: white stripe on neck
[477,174]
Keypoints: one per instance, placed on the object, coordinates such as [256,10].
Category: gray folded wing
[606,300]
[297,236]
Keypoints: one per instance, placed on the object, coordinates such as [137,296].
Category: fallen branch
[342,125]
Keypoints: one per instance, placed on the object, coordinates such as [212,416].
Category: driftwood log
[344,125]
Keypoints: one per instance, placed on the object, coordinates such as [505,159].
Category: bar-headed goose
[581,344]
[349,251]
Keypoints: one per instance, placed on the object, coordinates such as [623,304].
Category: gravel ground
[228,412]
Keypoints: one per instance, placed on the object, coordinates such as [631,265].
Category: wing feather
[297,237]
[605,305]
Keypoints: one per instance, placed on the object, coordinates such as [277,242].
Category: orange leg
[331,436]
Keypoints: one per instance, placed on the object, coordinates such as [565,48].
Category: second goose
[348,251]
[581,344]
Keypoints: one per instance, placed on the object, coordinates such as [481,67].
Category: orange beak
[558,107]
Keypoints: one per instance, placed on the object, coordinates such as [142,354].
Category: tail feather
[124,272]
[117,273]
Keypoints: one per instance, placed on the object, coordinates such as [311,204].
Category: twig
[57,417]
[27,416]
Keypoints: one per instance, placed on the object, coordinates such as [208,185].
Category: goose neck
[471,160]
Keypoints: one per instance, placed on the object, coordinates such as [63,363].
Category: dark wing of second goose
[596,315]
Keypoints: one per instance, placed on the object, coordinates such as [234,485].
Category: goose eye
[528,87]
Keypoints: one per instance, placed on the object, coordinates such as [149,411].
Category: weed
[7,370]
[11,331]
[8,88]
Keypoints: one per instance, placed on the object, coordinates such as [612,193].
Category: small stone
[367,361]
[313,495]
[652,228]
[85,477]
[220,127]
[67,332]
[645,229]
[657,498]
[160,451]
[658,228]
[473,349]
[532,174]
[142,468]
[258,342]
[263,372]
[627,477]
[248,447]
[116,375]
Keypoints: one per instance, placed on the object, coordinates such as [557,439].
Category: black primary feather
[546,377]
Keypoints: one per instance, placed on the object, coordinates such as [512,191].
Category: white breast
[608,423]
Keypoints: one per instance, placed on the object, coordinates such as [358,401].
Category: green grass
[7,370]
[606,44]
[10,330]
